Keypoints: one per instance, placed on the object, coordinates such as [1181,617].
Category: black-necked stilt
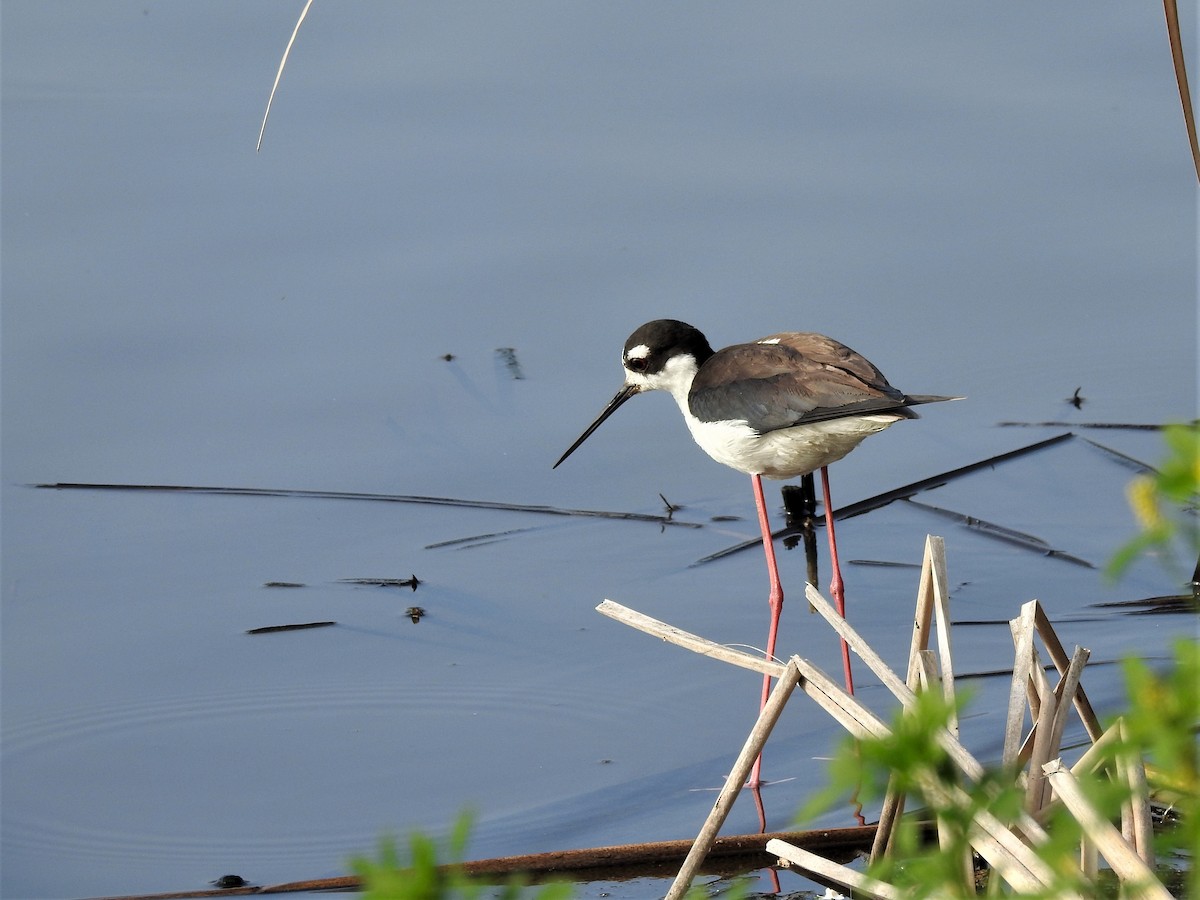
[782,406]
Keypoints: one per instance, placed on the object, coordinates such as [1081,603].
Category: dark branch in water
[1127,426]
[270,629]
[1001,533]
[904,492]
[384,582]
[379,498]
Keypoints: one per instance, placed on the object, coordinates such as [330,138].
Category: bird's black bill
[622,395]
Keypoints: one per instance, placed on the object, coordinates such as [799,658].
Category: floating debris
[415,613]
[883,563]
[479,539]
[283,584]
[1171,603]
[229,881]
[384,582]
[271,629]
[1129,426]
[1000,532]
[354,495]
[508,355]
[1124,459]
[448,357]
[1076,400]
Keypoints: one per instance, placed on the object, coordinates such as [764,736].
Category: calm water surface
[991,202]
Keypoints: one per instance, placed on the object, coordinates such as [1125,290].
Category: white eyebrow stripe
[641,351]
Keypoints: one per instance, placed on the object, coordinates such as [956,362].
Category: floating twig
[271,629]
[282,584]
[383,582]
[378,498]
[1001,533]
[1170,603]
[1123,458]
[1120,426]
[415,613]
[490,537]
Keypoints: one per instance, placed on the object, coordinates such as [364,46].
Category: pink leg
[775,599]
[836,587]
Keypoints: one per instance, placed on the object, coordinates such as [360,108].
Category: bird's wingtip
[931,398]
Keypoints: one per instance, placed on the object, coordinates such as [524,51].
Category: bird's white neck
[675,378]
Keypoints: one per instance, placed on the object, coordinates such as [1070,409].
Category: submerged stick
[1001,533]
[271,629]
[903,492]
[378,498]
[1117,426]
[738,852]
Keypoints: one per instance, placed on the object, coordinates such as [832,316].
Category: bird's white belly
[788,452]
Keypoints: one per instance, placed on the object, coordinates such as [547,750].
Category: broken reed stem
[1133,773]
[686,639]
[862,885]
[1022,629]
[921,666]
[737,779]
[1011,850]
[1138,879]
[1061,662]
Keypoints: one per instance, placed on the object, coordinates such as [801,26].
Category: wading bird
[782,406]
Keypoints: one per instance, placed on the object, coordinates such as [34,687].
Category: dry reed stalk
[862,885]
[1136,877]
[737,779]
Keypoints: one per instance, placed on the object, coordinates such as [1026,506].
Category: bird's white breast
[787,452]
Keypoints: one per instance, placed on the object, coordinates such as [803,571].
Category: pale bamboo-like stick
[737,778]
[1048,729]
[1003,848]
[859,645]
[1010,857]
[923,618]
[893,801]
[845,709]
[1133,772]
[1089,859]
[930,681]
[1000,846]
[686,639]
[852,715]
[1094,757]
[1059,657]
[862,885]
[928,671]
[1138,879]
[941,608]
[964,760]
[1040,755]
[1022,628]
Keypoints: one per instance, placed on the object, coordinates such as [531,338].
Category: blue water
[991,202]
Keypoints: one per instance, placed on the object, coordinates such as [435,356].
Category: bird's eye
[637,364]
